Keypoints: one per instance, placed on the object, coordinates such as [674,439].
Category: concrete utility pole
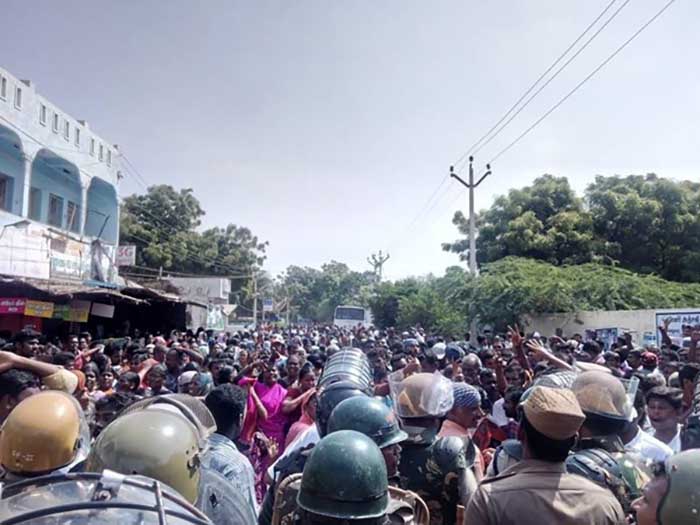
[472,219]
[376,261]
[472,225]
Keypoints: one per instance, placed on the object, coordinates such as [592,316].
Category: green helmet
[603,469]
[330,397]
[681,503]
[345,478]
[369,416]
[158,442]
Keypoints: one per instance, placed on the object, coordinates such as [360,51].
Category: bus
[350,316]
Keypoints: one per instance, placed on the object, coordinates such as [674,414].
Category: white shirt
[675,443]
[649,447]
[310,436]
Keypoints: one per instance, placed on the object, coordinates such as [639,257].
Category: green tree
[509,289]
[315,293]
[544,221]
[163,223]
[648,224]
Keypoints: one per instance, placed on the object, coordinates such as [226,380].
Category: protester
[227,404]
[489,381]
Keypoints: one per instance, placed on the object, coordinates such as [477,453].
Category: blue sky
[325,126]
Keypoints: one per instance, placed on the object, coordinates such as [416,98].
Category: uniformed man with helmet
[344,482]
[45,433]
[437,469]
[672,497]
[375,420]
[538,489]
[164,438]
[608,408]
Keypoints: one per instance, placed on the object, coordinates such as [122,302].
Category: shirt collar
[536,465]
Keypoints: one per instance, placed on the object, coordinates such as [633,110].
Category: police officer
[538,489]
[672,497]
[45,433]
[344,482]
[604,401]
[437,469]
[164,438]
[375,420]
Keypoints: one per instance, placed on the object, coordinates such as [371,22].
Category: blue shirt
[223,457]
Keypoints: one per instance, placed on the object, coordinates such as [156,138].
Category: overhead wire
[555,75]
[470,150]
[431,203]
[582,82]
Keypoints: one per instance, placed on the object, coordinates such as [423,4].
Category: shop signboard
[12,305]
[39,309]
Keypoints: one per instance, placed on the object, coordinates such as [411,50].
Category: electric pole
[471,186]
[376,261]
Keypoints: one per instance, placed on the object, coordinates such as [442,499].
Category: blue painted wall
[13,168]
[52,180]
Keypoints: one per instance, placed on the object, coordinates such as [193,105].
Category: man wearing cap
[538,489]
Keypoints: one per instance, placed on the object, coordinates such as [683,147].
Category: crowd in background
[277,368]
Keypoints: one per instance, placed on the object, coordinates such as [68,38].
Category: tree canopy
[163,224]
[315,293]
[643,223]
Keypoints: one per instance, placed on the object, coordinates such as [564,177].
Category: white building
[59,204]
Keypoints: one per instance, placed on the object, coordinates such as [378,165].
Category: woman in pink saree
[264,423]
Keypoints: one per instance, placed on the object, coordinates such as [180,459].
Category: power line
[586,79]
[556,74]
[539,79]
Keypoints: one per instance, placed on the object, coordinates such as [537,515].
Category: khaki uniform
[535,492]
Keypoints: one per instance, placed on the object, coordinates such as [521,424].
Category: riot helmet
[160,438]
[604,400]
[85,498]
[345,478]
[45,433]
[603,469]
[369,416]
[329,397]
[423,395]
[681,503]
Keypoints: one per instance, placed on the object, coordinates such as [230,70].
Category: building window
[5,192]
[42,115]
[35,204]
[77,136]
[66,130]
[18,97]
[3,88]
[109,157]
[102,153]
[55,210]
[92,147]
[73,217]
[54,125]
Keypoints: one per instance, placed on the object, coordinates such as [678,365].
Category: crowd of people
[319,424]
